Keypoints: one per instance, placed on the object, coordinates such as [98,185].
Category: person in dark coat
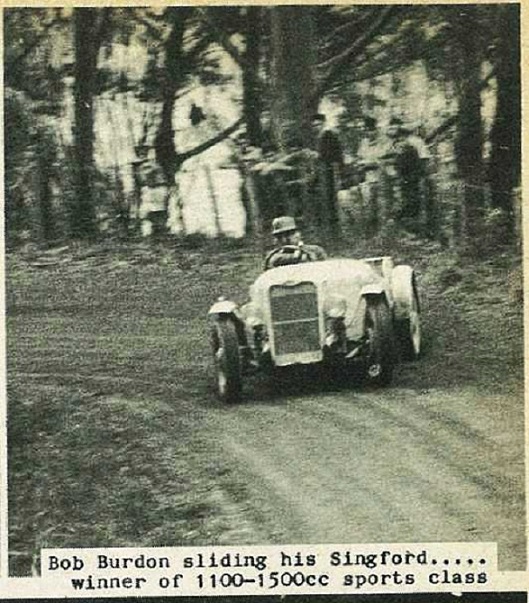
[410,160]
[331,167]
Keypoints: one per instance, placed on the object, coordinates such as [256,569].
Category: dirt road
[393,466]
[437,456]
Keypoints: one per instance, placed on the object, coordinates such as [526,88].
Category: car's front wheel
[227,359]
[408,330]
[379,356]
[407,312]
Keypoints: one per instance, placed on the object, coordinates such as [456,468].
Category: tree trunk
[166,153]
[47,222]
[82,219]
[505,158]
[214,200]
[252,105]
[121,215]
[254,204]
[251,203]
[136,178]
[293,59]
[293,100]
[469,138]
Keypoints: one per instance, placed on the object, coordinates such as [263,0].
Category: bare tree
[505,158]
[89,28]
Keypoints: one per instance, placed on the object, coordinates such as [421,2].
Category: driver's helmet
[282,225]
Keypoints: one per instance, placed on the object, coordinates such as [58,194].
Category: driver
[289,246]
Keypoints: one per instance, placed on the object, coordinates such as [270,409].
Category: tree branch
[351,26]
[369,65]
[57,20]
[452,121]
[152,28]
[360,42]
[103,25]
[197,49]
[209,143]
[332,67]
[222,38]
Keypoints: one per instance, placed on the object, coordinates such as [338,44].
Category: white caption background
[272,570]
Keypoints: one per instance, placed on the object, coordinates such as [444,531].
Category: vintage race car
[358,315]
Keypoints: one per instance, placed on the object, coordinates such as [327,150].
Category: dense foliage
[106,108]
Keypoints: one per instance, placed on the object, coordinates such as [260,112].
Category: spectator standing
[330,170]
[369,166]
[410,156]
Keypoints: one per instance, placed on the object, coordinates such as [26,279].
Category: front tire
[379,358]
[227,358]
[408,331]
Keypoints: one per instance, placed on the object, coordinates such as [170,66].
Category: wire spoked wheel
[379,346]
[408,331]
[227,360]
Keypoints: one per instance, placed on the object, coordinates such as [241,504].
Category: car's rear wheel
[227,358]
[408,331]
[379,358]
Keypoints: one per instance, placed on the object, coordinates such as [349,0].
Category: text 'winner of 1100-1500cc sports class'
[357,315]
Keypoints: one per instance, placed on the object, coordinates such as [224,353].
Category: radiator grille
[295,321]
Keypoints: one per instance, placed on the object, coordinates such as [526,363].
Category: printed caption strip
[274,570]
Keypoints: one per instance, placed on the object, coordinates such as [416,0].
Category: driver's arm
[316,252]
[283,256]
[275,258]
[269,260]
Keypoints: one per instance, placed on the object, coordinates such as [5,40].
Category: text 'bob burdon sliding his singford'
[282,569]
[240,560]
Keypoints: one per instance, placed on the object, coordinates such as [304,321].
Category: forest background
[192,119]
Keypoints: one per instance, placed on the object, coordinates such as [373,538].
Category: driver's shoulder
[275,251]
[316,250]
[274,257]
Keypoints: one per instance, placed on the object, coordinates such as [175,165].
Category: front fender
[222,307]
[375,290]
[225,309]
[372,289]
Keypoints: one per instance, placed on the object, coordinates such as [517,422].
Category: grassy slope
[108,356]
[105,358]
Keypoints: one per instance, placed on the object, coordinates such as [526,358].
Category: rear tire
[228,365]
[379,358]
